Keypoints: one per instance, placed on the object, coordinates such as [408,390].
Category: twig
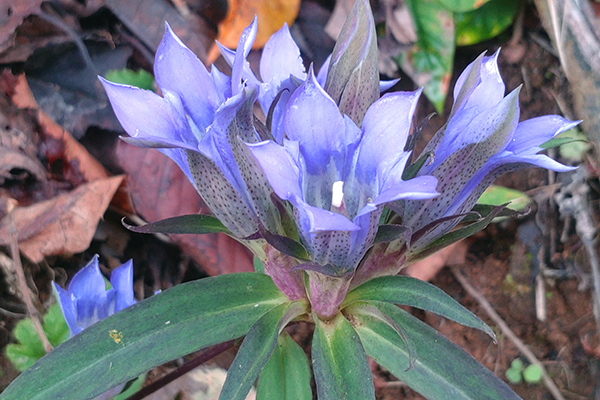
[60,24]
[487,307]
[26,293]
[573,200]
[184,369]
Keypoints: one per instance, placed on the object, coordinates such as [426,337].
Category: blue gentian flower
[87,301]
[338,176]
[482,140]
[198,123]
[353,82]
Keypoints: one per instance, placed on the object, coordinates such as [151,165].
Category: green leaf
[56,328]
[30,349]
[442,370]
[286,245]
[463,5]
[431,59]
[404,290]
[286,376]
[514,376]
[193,223]
[166,326]
[257,347]
[532,374]
[126,76]
[339,361]
[496,195]
[258,265]
[133,388]
[369,308]
[485,22]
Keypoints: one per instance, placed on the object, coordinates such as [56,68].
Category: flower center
[337,198]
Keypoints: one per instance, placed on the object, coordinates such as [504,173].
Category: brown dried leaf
[271,15]
[12,14]
[64,224]
[427,268]
[146,19]
[160,190]
[79,165]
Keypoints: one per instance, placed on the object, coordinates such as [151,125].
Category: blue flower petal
[178,70]
[135,108]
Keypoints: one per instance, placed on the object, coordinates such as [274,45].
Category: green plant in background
[30,349]
[441,25]
[140,78]
[518,373]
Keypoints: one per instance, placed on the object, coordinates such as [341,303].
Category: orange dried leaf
[64,224]
[271,16]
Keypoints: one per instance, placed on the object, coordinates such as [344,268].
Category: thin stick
[184,369]
[487,307]
[26,293]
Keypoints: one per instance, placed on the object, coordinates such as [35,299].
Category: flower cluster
[328,153]
[87,301]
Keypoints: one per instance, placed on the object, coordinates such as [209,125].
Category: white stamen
[337,196]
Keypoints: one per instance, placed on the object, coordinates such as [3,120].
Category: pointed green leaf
[404,290]
[193,223]
[257,348]
[369,308]
[442,370]
[485,22]
[498,195]
[339,361]
[166,326]
[286,376]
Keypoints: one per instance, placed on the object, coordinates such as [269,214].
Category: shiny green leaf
[166,326]
[442,370]
[497,195]
[404,290]
[256,349]
[339,361]
[485,22]
[432,58]
[286,376]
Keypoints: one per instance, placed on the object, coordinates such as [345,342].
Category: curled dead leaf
[271,15]
[64,224]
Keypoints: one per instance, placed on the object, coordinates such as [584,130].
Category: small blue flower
[87,301]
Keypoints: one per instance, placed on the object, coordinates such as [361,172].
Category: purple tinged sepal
[87,301]
[353,72]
